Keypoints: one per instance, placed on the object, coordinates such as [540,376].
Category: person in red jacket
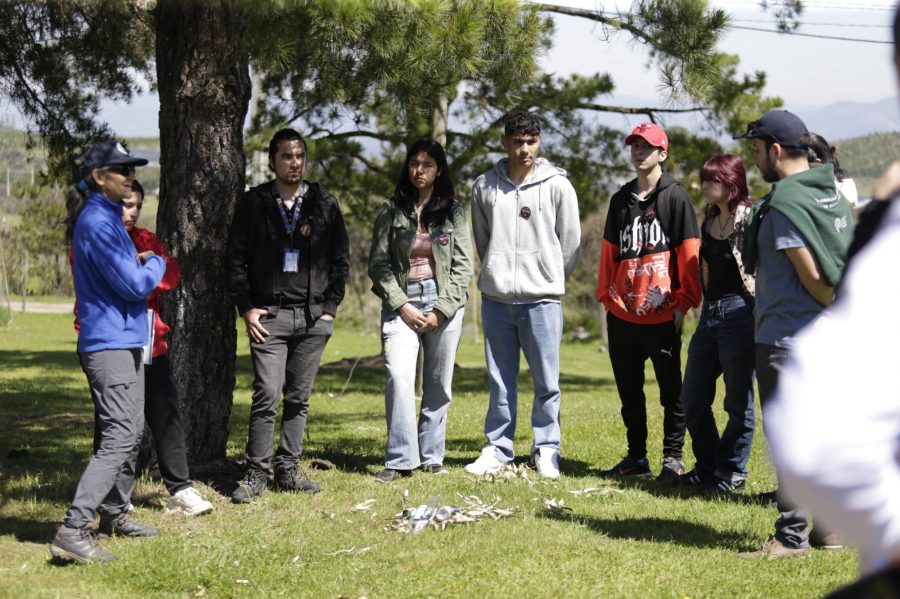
[649,277]
[161,396]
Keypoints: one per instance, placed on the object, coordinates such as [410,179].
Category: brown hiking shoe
[774,549]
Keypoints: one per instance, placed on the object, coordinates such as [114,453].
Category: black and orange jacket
[649,261]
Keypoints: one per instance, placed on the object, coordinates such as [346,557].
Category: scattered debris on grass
[363,506]
[351,550]
[556,506]
[596,490]
[439,517]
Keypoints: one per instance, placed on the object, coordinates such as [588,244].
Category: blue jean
[721,345]
[536,330]
[409,446]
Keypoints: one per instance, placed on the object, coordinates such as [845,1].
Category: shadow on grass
[27,531]
[675,491]
[658,530]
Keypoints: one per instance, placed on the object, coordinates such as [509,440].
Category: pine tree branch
[595,15]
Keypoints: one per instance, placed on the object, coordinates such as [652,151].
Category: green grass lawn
[626,540]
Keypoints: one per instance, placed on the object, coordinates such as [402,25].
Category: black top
[724,275]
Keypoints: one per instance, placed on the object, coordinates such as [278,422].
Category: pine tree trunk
[204,90]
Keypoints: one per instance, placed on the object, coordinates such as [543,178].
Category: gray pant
[116,378]
[791,528]
[286,361]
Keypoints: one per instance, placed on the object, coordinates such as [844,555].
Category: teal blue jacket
[392,241]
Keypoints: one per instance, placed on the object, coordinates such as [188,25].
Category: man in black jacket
[288,260]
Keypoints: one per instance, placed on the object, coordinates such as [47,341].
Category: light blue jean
[536,330]
[409,446]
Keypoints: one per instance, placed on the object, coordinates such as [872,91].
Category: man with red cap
[649,277]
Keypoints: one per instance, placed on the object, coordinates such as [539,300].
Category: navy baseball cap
[780,126]
[108,153]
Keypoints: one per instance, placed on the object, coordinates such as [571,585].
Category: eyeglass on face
[125,171]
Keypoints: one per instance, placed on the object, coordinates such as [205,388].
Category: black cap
[108,153]
[780,126]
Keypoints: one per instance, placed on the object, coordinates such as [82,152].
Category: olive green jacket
[392,241]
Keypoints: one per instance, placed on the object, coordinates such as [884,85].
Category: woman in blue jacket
[112,282]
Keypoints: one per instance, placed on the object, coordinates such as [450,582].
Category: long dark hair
[728,170]
[819,150]
[442,196]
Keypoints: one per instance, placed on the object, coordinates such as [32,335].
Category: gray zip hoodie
[527,236]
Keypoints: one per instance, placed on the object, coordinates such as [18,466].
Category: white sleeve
[834,424]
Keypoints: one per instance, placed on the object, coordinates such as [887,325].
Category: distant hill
[865,157]
[846,120]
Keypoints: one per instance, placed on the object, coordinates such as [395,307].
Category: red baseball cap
[652,133]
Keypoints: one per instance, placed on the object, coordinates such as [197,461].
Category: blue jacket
[111,284]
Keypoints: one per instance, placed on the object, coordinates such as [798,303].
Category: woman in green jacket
[420,265]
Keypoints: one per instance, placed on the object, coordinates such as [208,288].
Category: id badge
[291,261]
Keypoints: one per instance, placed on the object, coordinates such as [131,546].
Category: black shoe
[693,479]
[389,475]
[435,469]
[729,486]
[630,467]
[290,480]
[72,544]
[124,525]
[672,469]
[251,487]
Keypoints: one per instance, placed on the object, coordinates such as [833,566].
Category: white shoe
[188,502]
[487,462]
[546,460]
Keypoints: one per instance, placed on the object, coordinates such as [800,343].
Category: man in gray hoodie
[527,233]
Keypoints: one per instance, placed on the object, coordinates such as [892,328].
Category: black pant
[629,347]
[791,528]
[163,418]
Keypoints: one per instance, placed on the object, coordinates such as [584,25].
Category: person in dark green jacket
[420,264]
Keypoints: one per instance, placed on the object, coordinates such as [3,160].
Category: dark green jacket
[392,240]
[813,204]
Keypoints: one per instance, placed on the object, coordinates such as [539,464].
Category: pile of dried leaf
[439,517]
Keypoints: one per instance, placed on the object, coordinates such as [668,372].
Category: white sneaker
[546,460]
[188,502]
[487,462]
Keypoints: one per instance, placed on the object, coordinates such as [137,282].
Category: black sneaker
[389,475]
[693,479]
[630,467]
[435,469]
[291,480]
[124,525]
[729,486]
[73,544]
[672,469]
[251,487]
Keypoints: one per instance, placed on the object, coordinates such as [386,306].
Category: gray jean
[116,378]
[408,445]
[286,361]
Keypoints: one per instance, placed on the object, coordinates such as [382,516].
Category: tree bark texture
[204,91]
